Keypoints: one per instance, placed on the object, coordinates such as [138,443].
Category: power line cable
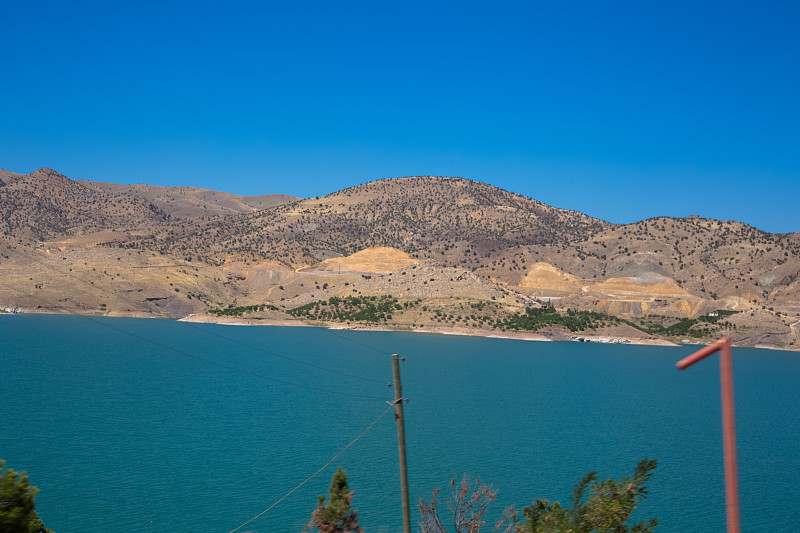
[261,376]
[309,478]
[335,334]
[133,304]
[280,356]
[228,367]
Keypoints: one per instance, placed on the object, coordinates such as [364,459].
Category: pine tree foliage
[607,509]
[17,499]
[337,516]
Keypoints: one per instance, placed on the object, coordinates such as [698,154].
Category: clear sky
[621,110]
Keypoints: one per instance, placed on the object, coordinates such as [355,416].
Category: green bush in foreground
[337,516]
[17,499]
[607,509]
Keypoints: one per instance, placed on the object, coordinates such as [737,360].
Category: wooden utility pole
[401,443]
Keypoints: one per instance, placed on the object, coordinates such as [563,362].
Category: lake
[156,425]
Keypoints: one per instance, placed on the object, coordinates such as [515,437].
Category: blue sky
[621,110]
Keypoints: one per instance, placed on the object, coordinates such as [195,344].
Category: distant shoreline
[490,334]
[465,332]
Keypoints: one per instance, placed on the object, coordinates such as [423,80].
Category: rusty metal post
[729,438]
[728,425]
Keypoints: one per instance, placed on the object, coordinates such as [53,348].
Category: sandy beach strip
[468,332]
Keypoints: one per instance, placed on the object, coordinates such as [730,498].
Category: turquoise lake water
[120,431]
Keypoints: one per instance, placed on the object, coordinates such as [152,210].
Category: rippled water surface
[155,425]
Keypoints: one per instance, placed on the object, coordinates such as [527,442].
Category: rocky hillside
[443,244]
[709,258]
[45,205]
[193,202]
[429,217]
[475,226]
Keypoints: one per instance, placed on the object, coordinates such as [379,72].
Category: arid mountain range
[441,247]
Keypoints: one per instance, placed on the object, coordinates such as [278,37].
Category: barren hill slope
[45,205]
[709,258]
[194,202]
[440,244]
[472,225]
[380,260]
[430,217]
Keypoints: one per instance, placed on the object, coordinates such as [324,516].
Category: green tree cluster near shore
[352,308]
[537,318]
[685,327]
[17,499]
[488,314]
[241,310]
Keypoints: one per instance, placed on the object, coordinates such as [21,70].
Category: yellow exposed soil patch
[543,275]
[380,260]
[92,239]
[650,284]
